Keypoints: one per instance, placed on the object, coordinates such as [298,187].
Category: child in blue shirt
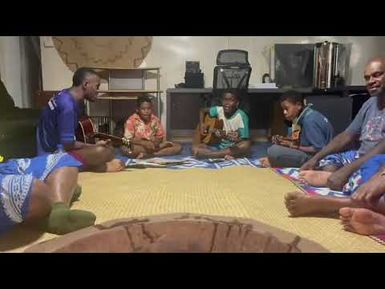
[309,133]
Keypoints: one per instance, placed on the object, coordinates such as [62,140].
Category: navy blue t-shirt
[316,131]
[58,122]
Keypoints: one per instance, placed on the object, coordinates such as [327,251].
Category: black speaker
[192,66]
[194,80]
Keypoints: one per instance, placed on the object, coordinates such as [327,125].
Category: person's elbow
[69,145]
[348,136]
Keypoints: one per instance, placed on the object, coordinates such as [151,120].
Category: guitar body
[85,131]
[213,125]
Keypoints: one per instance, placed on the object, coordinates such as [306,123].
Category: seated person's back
[58,122]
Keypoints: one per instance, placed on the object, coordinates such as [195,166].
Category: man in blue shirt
[310,132]
[59,120]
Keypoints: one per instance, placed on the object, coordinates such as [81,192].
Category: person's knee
[195,150]
[40,201]
[241,149]
[178,147]
[273,152]
[245,145]
[104,153]
[279,157]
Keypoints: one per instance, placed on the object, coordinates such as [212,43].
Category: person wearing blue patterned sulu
[40,191]
[339,168]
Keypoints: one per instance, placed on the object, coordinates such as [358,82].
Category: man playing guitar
[59,120]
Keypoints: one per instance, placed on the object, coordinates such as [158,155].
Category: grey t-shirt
[369,123]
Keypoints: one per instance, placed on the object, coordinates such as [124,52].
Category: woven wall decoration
[102,52]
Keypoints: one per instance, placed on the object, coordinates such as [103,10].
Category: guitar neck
[107,136]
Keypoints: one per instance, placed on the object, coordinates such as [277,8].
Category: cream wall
[170,53]
[10,68]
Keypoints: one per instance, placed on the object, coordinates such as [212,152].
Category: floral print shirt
[135,127]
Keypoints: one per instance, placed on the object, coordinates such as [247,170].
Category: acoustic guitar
[293,140]
[86,133]
[214,128]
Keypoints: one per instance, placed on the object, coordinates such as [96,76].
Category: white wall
[10,68]
[170,53]
[16,69]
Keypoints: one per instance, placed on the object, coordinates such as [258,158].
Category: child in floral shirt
[146,133]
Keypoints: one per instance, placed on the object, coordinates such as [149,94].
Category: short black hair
[143,98]
[235,92]
[81,74]
[292,96]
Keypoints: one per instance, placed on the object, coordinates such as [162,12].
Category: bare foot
[362,221]
[265,162]
[166,144]
[293,201]
[300,204]
[140,156]
[228,157]
[115,165]
[314,178]
[202,154]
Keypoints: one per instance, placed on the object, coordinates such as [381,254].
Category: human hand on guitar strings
[275,139]
[204,129]
[283,141]
[220,133]
[105,143]
[289,143]
[233,136]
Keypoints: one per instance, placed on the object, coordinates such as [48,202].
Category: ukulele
[86,133]
[213,131]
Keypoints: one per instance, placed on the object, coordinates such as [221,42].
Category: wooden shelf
[118,97]
[130,91]
[126,84]
[118,68]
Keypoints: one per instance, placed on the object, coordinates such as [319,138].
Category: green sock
[63,220]
[77,193]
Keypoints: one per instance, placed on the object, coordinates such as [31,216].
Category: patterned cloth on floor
[191,162]
[293,175]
